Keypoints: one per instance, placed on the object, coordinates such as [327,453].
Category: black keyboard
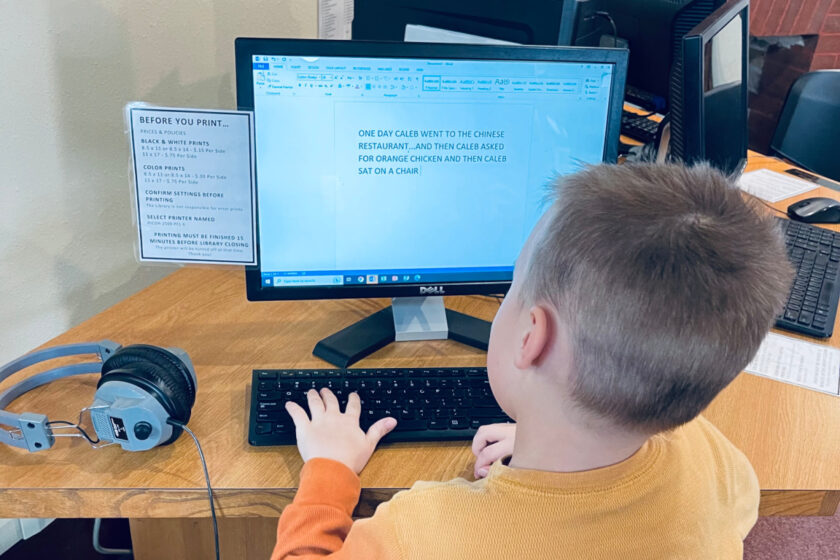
[641,128]
[812,303]
[430,404]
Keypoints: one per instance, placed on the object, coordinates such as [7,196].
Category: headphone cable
[206,479]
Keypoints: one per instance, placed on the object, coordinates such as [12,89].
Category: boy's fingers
[479,440]
[488,456]
[330,401]
[380,428]
[297,413]
[354,405]
[316,405]
[485,435]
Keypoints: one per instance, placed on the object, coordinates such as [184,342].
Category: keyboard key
[438,424]
[458,423]
[264,427]
[827,292]
[483,412]
[411,425]
[267,375]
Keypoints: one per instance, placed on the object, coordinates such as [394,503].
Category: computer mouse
[816,210]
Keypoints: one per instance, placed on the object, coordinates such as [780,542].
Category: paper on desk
[794,361]
[772,186]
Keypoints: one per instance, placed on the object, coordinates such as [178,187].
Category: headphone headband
[33,432]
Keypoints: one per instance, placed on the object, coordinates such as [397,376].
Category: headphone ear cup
[157,371]
[168,361]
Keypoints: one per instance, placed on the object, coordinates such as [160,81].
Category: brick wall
[780,67]
[818,23]
[775,18]
[827,54]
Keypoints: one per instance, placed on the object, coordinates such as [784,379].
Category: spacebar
[411,425]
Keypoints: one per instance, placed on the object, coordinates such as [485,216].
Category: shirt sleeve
[319,524]
[747,498]
[737,482]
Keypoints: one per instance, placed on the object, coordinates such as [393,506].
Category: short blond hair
[668,281]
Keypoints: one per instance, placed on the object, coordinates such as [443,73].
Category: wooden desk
[791,435]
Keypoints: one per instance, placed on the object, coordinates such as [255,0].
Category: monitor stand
[408,318]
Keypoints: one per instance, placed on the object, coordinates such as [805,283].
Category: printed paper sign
[772,186]
[194,184]
[790,360]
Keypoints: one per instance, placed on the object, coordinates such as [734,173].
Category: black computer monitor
[529,22]
[407,170]
[653,31]
[709,112]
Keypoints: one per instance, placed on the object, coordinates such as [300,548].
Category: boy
[640,294]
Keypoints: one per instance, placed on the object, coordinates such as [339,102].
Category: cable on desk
[206,479]
[782,212]
[608,17]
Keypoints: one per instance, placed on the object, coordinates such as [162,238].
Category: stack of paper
[772,186]
[795,361]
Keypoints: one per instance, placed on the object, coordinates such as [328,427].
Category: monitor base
[376,331]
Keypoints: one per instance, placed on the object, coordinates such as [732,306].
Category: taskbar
[367,278]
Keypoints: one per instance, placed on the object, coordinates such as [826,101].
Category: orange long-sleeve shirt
[686,494]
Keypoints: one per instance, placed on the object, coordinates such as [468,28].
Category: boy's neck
[566,447]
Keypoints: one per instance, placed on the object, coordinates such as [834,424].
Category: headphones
[144,396]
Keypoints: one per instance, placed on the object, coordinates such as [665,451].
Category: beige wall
[67,68]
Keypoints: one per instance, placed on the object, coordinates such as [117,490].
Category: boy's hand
[491,443]
[332,434]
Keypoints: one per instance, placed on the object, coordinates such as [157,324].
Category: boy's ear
[535,338]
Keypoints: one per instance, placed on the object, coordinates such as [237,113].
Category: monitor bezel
[247,47]
[694,106]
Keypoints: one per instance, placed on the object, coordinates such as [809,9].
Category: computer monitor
[407,170]
[653,31]
[530,22]
[709,113]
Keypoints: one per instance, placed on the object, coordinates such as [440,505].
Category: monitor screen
[724,95]
[381,171]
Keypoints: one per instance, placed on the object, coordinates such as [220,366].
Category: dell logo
[431,290]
